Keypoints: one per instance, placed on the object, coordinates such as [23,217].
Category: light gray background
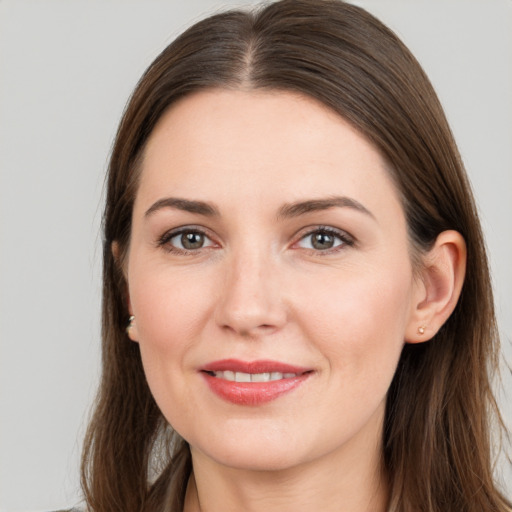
[66,70]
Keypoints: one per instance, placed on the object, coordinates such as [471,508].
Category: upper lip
[259,366]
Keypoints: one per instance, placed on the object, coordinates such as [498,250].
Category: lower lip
[252,393]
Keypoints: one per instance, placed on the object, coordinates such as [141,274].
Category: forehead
[256,145]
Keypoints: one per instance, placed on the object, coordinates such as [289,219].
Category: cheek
[359,322]
[169,304]
[171,309]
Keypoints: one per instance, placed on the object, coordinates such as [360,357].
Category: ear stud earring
[421,329]
[130,323]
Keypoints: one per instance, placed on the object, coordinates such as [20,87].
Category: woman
[297,312]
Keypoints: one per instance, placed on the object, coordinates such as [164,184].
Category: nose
[251,302]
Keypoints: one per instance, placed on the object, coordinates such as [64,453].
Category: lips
[252,383]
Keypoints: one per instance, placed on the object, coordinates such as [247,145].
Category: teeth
[242,377]
[228,375]
[253,377]
[260,377]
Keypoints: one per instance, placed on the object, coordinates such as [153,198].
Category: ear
[438,288]
[116,251]
[131,328]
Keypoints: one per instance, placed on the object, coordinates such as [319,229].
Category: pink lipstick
[252,383]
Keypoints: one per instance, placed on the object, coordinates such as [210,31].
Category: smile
[252,377]
[252,383]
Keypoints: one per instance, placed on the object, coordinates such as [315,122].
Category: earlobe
[438,291]
[131,329]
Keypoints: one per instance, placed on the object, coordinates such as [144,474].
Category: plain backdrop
[67,68]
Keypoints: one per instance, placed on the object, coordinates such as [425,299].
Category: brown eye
[322,241]
[192,240]
[184,240]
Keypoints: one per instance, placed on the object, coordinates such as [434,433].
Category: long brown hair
[440,407]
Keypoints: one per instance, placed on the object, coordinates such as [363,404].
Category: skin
[259,289]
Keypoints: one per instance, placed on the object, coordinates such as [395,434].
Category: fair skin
[264,261]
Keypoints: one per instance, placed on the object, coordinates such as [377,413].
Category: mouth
[253,383]
[252,377]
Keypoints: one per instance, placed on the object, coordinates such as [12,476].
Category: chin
[262,446]
[257,458]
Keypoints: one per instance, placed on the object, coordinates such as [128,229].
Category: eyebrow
[315,205]
[186,205]
[286,211]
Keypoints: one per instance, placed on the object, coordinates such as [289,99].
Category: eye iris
[192,240]
[322,241]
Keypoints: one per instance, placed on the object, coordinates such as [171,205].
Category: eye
[324,239]
[185,240]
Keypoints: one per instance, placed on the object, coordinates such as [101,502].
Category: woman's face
[270,277]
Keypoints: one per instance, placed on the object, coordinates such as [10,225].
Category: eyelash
[346,240]
[165,239]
